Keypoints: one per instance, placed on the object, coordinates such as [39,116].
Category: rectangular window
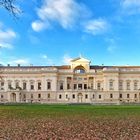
[39,85]
[68,86]
[39,95]
[2,84]
[66,96]
[69,78]
[48,85]
[86,96]
[79,86]
[73,96]
[98,86]
[128,85]
[91,85]
[61,86]
[111,85]
[32,87]
[120,95]
[85,86]
[135,95]
[100,96]
[60,96]
[75,86]
[9,85]
[111,96]
[120,85]
[127,95]
[49,96]
[24,86]
[17,84]
[2,96]
[90,78]
[135,85]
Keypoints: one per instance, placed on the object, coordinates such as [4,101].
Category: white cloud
[66,59]
[130,3]
[68,14]
[19,61]
[6,45]
[64,12]
[6,37]
[97,26]
[130,7]
[39,25]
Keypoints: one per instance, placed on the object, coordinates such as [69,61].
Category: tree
[10,6]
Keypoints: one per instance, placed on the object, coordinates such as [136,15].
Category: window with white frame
[24,85]
[48,85]
[68,85]
[135,85]
[98,86]
[120,95]
[111,84]
[32,85]
[86,96]
[61,86]
[127,85]
[120,85]
[75,86]
[9,84]
[39,85]
[17,84]
[79,86]
[85,86]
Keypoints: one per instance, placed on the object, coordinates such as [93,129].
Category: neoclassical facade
[78,82]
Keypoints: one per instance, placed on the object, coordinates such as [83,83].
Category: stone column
[8,96]
[18,97]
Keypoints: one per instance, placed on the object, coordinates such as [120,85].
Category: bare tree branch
[10,6]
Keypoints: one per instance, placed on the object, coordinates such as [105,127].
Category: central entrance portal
[13,97]
[80,97]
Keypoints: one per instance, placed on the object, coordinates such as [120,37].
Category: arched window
[79,69]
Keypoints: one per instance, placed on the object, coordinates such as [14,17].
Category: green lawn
[69,122]
[27,111]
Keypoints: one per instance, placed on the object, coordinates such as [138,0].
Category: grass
[69,121]
[90,111]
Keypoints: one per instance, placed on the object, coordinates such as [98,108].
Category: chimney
[18,65]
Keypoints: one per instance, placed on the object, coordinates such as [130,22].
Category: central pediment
[80,61]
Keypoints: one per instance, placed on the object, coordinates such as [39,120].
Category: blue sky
[52,32]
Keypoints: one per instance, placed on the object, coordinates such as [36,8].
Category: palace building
[78,82]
